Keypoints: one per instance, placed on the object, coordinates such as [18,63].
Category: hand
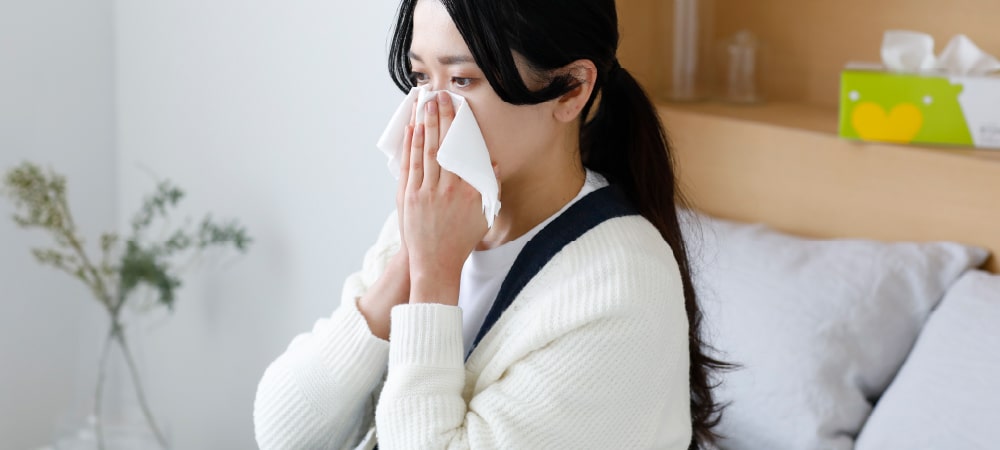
[442,214]
[393,286]
[404,172]
[390,289]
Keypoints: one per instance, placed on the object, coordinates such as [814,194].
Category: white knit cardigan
[592,354]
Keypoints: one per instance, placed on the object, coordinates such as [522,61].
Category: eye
[462,82]
[418,78]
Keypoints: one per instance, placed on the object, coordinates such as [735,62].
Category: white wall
[268,113]
[56,109]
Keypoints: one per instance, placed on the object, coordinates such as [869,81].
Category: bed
[856,284]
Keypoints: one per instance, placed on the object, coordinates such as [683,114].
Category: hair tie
[616,68]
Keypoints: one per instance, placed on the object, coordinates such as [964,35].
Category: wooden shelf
[787,115]
[793,118]
[784,165]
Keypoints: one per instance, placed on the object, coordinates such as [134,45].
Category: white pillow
[819,326]
[948,391]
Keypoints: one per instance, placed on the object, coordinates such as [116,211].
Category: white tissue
[962,57]
[911,51]
[463,150]
[908,51]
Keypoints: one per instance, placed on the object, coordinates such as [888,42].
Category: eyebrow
[450,60]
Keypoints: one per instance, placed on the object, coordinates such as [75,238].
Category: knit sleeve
[319,394]
[604,381]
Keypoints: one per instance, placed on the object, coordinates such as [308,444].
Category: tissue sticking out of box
[908,51]
[912,51]
[962,57]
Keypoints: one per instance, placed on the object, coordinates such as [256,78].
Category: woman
[575,310]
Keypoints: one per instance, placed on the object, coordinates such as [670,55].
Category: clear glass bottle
[739,63]
[685,66]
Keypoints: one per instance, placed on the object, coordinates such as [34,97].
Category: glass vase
[115,412]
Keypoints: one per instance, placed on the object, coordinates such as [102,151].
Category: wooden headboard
[782,164]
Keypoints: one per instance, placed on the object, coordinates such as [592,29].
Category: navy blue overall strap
[590,211]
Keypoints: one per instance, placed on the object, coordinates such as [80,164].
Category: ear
[569,106]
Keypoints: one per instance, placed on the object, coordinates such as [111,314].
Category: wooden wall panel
[810,41]
[636,50]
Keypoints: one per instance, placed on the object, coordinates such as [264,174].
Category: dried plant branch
[125,264]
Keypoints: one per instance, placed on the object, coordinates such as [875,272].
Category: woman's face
[440,58]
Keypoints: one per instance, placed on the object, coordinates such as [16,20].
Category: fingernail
[432,107]
[419,131]
[444,98]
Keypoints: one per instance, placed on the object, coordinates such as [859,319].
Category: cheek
[512,133]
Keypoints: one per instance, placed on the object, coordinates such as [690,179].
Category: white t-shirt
[485,270]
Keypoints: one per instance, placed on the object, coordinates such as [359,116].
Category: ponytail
[625,141]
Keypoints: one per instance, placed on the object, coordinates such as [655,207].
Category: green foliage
[146,266]
[165,195]
[39,198]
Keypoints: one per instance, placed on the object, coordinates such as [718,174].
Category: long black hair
[623,140]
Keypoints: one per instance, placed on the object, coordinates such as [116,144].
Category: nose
[439,83]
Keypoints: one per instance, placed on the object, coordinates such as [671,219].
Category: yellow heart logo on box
[901,124]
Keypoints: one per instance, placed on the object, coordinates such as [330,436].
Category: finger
[404,161]
[496,172]
[448,178]
[407,142]
[432,170]
[416,176]
[447,113]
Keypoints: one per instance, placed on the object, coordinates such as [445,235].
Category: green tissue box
[878,105]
